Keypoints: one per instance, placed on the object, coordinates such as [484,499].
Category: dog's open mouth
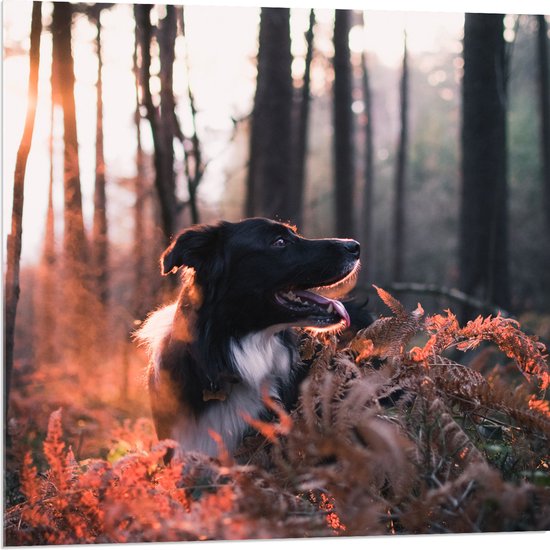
[317,306]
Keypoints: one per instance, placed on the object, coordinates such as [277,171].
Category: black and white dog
[229,335]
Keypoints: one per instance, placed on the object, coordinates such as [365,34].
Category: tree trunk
[483,259]
[367,212]
[544,100]
[141,293]
[400,172]
[193,163]
[343,127]
[100,241]
[166,38]
[163,155]
[74,242]
[268,192]
[77,338]
[47,287]
[298,184]
[14,238]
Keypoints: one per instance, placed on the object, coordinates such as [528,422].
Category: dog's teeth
[330,308]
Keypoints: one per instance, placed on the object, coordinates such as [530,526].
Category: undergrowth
[388,438]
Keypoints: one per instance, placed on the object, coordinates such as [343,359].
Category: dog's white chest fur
[260,355]
[260,358]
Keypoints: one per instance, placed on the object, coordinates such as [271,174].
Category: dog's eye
[279,242]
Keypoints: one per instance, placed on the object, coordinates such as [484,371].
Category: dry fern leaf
[449,379]
[529,354]
[316,352]
[443,330]
[452,438]
[457,380]
[388,449]
[320,400]
[388,336]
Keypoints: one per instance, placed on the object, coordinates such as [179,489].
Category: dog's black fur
[229,335]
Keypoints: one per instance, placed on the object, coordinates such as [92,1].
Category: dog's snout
[353,247]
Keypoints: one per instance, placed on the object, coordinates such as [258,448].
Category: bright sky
[222,47]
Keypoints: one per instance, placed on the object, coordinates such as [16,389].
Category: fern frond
[388,336]
[54,447]
[30,485]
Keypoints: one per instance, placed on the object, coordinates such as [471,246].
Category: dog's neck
[218,357]
[260,356]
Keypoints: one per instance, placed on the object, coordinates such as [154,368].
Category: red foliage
[540,405]
[28,479]
[528,353]
[333,521]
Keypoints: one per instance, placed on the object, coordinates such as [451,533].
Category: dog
[231,335]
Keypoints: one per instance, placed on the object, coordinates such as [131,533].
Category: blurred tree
[433,171]
[193,164]
[168,123]
[367,210]
[141,294]
[162,142]
[483,256]
[544,99]
[300,148]
[75,247]
[100,239]
[74,238]
[399,221]
[47,294]
[269,180]
[13,255]
[343,127]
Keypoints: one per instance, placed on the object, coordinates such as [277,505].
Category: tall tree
[398,247]
[367,210]
[74,241]
[140,302]
[344,175]
[46,295]
[169,127]
[77,338]
[100,240]
[12,288]
[193,161]
[544,100]
[161,128]
[483,248]
[300,148]
[268,191]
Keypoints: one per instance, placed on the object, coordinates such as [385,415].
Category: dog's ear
[191,248]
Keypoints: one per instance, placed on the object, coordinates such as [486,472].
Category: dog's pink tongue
[318,299]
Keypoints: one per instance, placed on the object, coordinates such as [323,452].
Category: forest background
[364,128]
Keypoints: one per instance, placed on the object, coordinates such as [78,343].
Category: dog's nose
[353,247]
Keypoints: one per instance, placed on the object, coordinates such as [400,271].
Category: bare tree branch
[193,163]
[164,182]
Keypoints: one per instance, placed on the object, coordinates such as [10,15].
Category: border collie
[229,336]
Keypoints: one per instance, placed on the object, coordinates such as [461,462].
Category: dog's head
[259,273]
